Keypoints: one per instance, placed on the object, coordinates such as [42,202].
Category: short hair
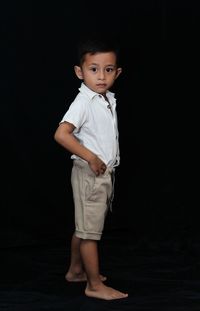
[96,44]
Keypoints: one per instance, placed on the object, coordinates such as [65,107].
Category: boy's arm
[64,136]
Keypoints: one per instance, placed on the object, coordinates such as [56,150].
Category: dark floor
[158,275]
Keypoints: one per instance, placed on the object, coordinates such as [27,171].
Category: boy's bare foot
[80,277]
[104,292]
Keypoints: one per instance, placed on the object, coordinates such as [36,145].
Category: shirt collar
[86,90]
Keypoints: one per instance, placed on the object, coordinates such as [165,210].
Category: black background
[157,181]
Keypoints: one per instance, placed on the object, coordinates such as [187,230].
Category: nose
[101,75]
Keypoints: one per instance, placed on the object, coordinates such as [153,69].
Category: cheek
[89,79]
[112,78]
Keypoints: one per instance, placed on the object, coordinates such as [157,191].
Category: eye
[93,69]
[109,69]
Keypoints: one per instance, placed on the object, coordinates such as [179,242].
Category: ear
[119,71]
[78,72]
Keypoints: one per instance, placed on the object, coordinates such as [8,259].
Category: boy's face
[99,71]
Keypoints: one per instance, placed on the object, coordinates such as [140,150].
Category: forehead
[105,58]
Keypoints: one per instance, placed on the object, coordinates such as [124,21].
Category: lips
[101,85]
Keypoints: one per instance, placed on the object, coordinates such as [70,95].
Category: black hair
[95,44]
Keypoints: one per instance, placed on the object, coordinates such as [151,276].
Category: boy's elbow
[57,136]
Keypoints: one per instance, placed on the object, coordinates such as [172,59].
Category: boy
[89,132]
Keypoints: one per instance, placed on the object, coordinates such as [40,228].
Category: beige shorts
[91,195]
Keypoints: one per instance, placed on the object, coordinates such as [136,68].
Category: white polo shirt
[96,126]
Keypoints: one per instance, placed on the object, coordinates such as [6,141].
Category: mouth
[101,85]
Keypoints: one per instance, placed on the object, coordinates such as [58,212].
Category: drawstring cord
[113,190]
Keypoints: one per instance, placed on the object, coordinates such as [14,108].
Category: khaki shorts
[91,195]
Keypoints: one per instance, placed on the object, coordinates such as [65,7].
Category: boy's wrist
[91,158]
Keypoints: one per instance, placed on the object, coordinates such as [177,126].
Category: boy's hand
[97,165]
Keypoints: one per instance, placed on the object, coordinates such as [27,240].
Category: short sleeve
[76,114]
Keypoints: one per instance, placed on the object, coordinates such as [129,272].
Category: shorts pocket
[89,185]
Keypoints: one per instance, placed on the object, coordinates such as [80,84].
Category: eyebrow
[108,65]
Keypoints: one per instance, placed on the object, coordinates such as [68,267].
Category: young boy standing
[89,131]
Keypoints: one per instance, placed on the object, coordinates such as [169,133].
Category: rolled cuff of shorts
[88,235]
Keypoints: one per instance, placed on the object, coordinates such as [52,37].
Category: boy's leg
[76,272]
[95,287]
